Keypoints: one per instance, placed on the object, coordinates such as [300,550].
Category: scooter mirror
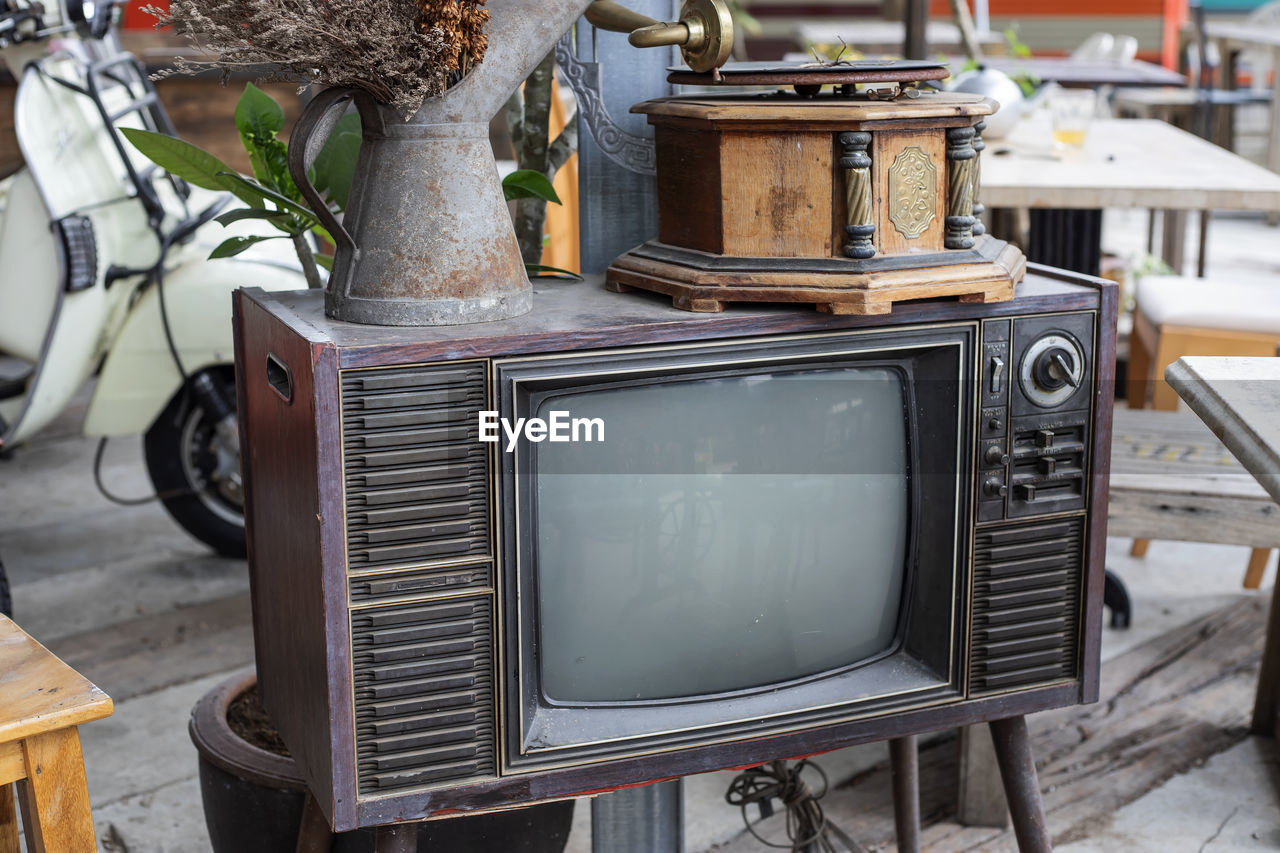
[20,20]
[91,18]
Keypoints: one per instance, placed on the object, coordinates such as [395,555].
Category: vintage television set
[789,532]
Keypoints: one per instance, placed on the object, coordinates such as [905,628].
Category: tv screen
[727,533]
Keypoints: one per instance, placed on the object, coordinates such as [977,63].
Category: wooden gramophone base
[702,282]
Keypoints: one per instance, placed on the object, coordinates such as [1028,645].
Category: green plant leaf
[337,160]
[531,269]
[258,115]
[270,159]
[250,213]
[320,231]
[180,159]
[233,246]
[325,261]
[260,119]
[527,183]
[270,195]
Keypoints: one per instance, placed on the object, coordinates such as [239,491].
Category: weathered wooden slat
[1172,479]
[1187,510]
[164,649]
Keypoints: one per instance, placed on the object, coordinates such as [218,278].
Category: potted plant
[427,238]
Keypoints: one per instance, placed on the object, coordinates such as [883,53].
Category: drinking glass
[1072,111]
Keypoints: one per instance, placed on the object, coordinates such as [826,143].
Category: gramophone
[848,185]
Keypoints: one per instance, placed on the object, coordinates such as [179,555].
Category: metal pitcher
[427,239]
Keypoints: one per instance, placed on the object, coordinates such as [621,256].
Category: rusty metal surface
[431,240]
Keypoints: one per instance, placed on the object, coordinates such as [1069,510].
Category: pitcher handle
[308,138]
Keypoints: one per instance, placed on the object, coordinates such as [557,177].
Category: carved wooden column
[978,146]
[961,159]
[859,216]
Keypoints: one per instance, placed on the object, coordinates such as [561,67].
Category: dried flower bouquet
[399,51]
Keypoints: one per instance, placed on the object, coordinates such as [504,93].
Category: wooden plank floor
[141,609]
[1173,703]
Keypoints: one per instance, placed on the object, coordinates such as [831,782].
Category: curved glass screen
[726,534]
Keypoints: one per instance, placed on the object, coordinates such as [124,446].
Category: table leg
[904,763]
[1264,704]
[1173,243]
[1069,239]
[1021,788]
[8,821]
[56,813]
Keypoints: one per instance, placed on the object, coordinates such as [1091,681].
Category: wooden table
[1233,37]
[41,704]
[1239,399]
[1079,73]
[1124,163]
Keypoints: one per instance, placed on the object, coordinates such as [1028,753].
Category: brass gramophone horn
[704,32]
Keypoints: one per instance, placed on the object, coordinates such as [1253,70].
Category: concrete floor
[147,614]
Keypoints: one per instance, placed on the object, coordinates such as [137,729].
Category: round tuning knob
[1055,368]
[1052,369]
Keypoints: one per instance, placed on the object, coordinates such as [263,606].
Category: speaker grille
[423,693]
[417,476]
[1026,608]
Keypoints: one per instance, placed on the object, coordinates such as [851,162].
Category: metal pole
[914,15]
[649,819]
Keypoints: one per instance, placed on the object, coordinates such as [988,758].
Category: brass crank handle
[704,32]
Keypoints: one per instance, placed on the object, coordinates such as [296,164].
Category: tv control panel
[1036,387]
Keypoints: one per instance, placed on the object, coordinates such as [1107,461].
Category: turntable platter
[812,73]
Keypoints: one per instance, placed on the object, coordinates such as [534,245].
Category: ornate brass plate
[913,192]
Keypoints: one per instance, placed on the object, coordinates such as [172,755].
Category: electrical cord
[156,275]
[808,830]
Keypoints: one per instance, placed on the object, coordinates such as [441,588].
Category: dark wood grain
[294,622]
[583,315]
[689,199]
[297,549]
[1100,453]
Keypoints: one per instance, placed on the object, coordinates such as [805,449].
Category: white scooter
[104,270]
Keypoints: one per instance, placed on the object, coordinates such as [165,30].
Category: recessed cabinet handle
[279,377]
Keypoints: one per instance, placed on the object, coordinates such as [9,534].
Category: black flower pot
[253,798]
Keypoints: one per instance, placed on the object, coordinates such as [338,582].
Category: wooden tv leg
[1018,772]
[904,761]
[396,838]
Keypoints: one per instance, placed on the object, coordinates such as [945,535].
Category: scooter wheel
[188,467]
